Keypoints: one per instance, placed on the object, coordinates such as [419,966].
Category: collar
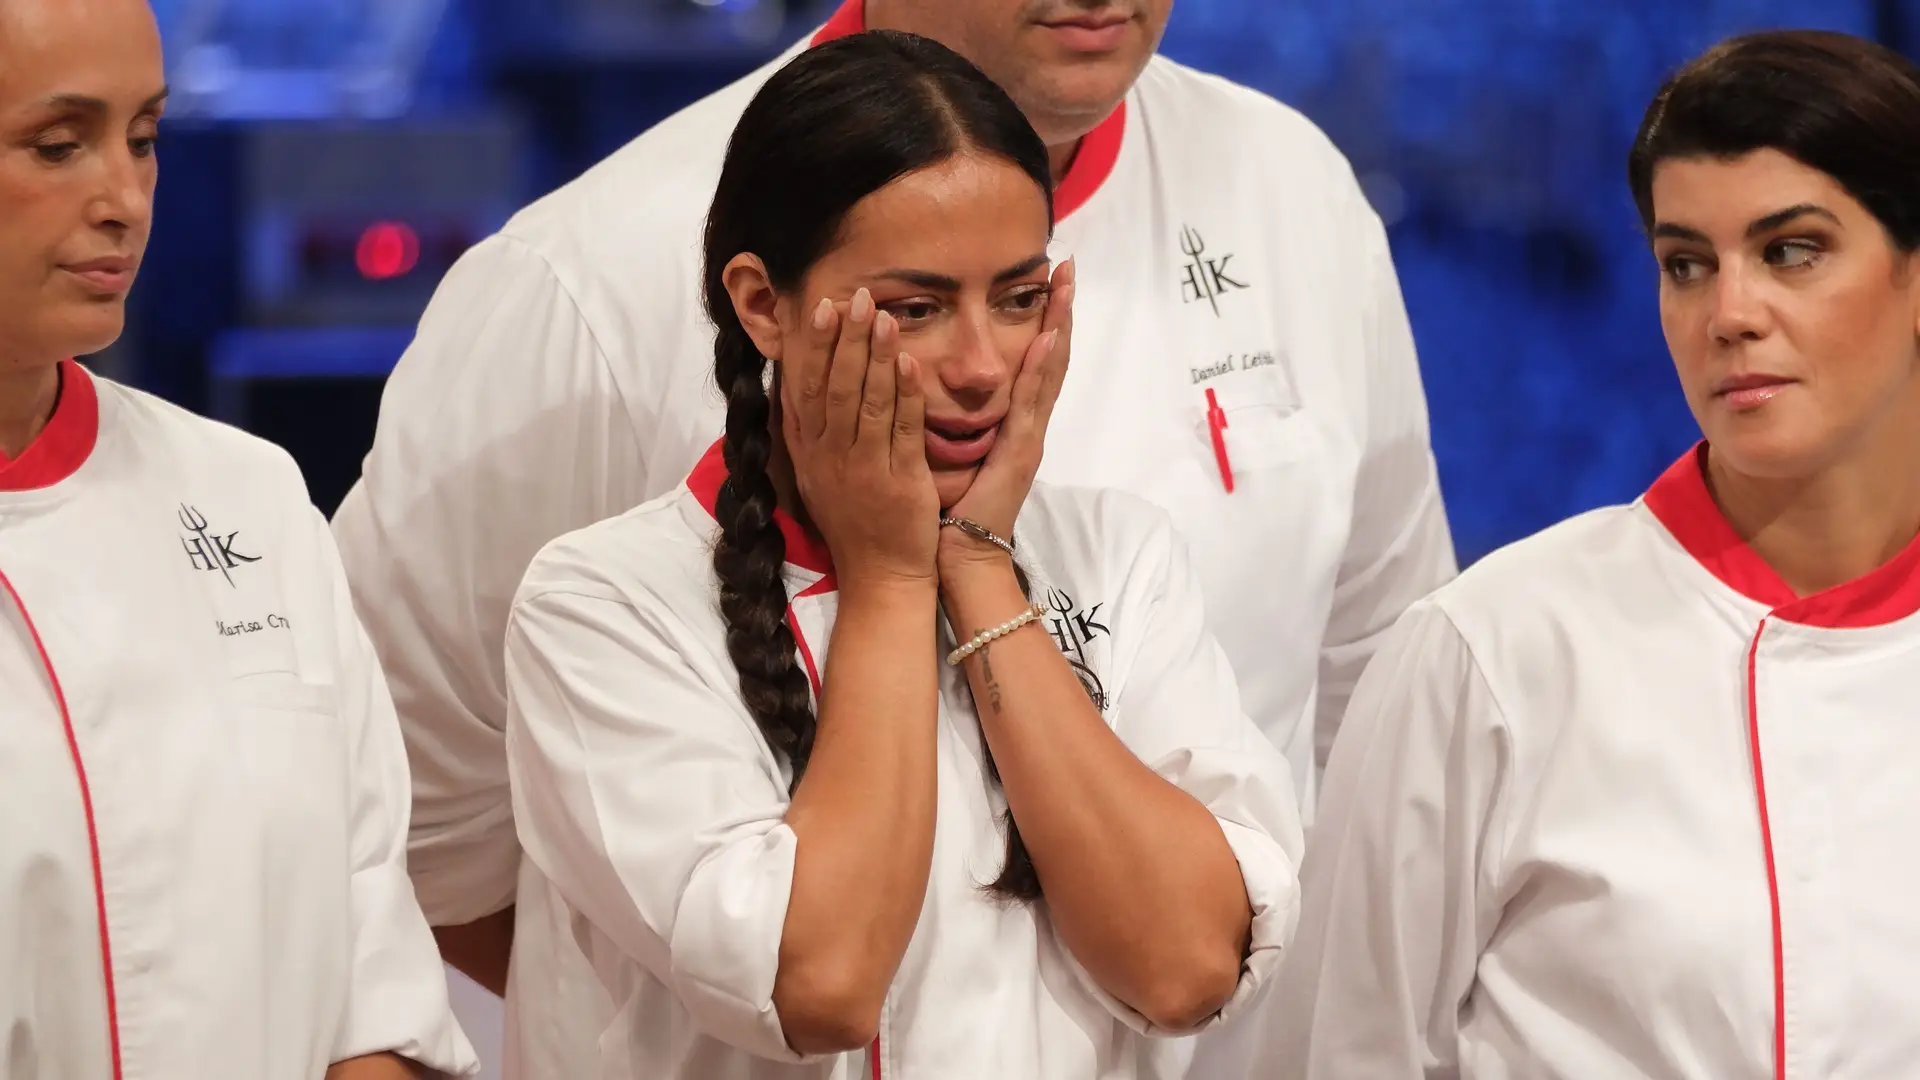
[804,550]
[65,443]
[1681,501]
[1099,151]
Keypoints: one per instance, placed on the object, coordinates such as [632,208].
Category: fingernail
[1053,339]
[823,314]
[862,305]
[883,323]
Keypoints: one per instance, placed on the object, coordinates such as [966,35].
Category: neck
[27,398]
[1062,158]
[1831,528]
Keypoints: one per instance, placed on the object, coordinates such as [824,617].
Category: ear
[1912,265]
[756,303]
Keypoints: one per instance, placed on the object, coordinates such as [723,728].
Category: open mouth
[958,446]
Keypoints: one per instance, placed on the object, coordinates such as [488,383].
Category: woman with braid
[862,755]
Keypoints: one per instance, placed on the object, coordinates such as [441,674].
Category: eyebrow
[1760,225]
[940,282]
[94,106]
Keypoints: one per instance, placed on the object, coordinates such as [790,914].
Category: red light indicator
[387,250]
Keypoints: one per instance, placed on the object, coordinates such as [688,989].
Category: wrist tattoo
[992,684]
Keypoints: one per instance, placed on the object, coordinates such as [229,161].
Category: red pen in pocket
[1217,427]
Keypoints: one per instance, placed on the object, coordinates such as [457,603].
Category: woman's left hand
[1000,488]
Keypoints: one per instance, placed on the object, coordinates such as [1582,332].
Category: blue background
[1491,135]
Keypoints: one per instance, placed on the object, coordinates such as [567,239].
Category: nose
[1739,310]
[124,201]
[975,370]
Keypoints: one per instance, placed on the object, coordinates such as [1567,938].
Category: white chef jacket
[1617,804]
[203,866]
[653,812]
[563,374]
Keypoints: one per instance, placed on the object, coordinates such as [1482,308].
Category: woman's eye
[1683,269]
[1792,254]
[55,153]
[143,145]
[1030,300]
[913,311]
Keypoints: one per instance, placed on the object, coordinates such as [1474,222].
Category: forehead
[1709,193]
[109,49]
[969,216]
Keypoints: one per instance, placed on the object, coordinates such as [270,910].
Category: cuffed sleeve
[644,794]
[1179,711]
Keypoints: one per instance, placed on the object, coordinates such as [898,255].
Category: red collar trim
[65,443]
[804,550]
[1683,504]
[851,19]
[1094,162]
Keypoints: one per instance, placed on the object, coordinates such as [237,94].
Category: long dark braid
[835,125]
[749,556]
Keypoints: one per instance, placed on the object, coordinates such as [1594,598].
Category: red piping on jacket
[93,834]
[1766,843]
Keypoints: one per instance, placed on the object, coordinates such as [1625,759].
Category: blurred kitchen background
[325,161]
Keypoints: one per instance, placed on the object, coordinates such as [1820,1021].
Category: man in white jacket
[1244,360]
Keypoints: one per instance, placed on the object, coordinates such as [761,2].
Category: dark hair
[835,125]
[1836,103]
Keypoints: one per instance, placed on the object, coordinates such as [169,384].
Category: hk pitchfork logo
[207,550]
[1203,278]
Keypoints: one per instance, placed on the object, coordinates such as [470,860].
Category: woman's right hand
[853,416]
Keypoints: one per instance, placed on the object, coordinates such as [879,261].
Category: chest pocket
[291,759]
[1266,426]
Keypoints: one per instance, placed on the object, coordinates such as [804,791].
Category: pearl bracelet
[992,634]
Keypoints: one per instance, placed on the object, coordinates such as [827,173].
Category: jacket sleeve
[1179,711]
[645,795]
[1397,908]
[1399,546]
[500,429]
[397,994]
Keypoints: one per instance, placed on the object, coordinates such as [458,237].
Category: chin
[1772,450]
[88,330]
[1080,95]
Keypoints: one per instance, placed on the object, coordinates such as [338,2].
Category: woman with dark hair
[1635,797]
[862,753]
[203,789]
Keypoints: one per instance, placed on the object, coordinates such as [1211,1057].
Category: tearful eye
[913,311]
[1027,301]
